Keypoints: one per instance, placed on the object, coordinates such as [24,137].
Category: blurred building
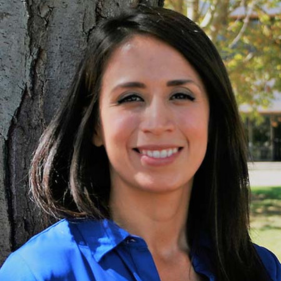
[264,136]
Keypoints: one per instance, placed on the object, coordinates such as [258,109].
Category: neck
[159,218]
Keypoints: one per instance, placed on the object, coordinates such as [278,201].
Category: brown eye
[182,96]
[130,98]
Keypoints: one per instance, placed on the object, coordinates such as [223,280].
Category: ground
[266,218]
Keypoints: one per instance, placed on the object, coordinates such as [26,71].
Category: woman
[146,163]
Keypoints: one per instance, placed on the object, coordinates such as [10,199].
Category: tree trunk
[41,43]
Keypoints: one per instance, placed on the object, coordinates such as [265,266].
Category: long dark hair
[70,176]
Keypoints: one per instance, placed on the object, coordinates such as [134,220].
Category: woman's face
[154,114]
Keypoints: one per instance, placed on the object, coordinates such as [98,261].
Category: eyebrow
[131,85]
[178,82]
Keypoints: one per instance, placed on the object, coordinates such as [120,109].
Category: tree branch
[244,27]
[193,9]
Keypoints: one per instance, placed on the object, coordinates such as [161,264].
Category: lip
[157,162]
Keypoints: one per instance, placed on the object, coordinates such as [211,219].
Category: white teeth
[164,153]
[156,154]
[170,152]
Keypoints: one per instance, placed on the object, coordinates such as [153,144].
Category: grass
[266,218]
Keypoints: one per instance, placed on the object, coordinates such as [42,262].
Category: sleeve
[15,269]
[270,262]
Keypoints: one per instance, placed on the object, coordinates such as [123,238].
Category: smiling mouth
[163,153]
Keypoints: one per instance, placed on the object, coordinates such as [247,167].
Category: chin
[162,186]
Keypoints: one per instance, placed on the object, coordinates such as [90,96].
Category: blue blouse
[98,250]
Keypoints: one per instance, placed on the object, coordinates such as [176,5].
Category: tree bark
[41,44]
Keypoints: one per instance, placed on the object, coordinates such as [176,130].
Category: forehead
[147,57]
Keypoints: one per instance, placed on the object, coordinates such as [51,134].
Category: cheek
[118,127]
[195,124]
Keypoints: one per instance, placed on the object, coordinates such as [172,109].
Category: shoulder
[270,262]
[55,241]
[48,254]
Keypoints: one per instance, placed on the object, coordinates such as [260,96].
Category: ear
[97,139]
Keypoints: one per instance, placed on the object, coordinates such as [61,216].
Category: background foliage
[248,36]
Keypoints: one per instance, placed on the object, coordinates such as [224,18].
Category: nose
[157,118]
